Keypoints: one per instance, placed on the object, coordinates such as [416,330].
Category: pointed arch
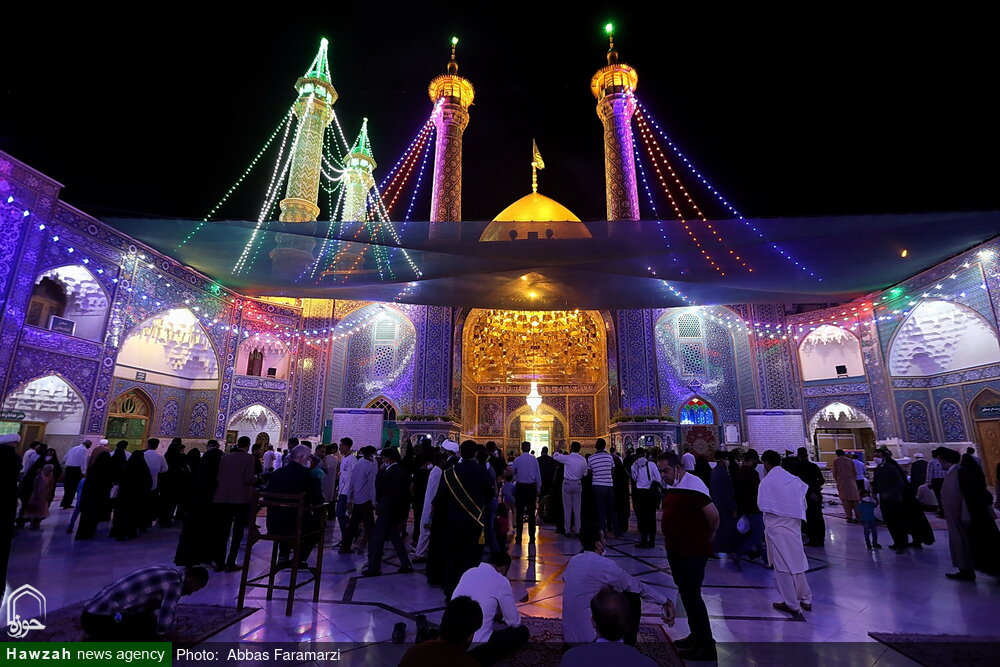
[130,418]
[939,337]
[388,408]
[952,422]
[84,301]
[171,348]
[698,411]
[50,399]
[255,419]
[828,352]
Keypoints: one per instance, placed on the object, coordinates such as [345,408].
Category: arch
[52,400]
[916,422]
[560,429]
[388,408]
[939,337]
[827,347]
[952,423]
[839,415]
[378,360]
[130,417]
[171,348]
[86,300]
[259,353]
[697,411]
[255,419]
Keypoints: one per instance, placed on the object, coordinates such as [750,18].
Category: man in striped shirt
[602,465]
[140,606]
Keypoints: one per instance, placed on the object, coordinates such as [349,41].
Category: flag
[536,157]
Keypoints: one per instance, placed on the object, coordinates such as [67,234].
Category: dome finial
[453,64]
[612,54]
[536,164]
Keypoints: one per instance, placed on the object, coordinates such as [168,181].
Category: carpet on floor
[942,650]
[545,647]
[193,623]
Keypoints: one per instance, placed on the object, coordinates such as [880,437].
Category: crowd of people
[470,503]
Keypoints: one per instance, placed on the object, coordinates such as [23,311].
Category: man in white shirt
[585,575]
[647,498]
[602,467]
[859,472]
[361,498]
[574,470]
[76,468]
[347,461]
[528,479]
[30,456]
[688,460]
[487,584]
[268,461]
[157,464]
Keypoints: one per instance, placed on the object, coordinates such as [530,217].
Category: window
[692,359]
[688,326]
[47,299]
[388,410]
[697,412]
[255,362]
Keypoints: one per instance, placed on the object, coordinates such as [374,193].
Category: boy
[866,512]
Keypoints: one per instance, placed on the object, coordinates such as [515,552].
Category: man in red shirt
[689,523]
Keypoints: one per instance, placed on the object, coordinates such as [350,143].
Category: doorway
[129,419]
[986,417]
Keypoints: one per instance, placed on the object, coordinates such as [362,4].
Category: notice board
[362,425]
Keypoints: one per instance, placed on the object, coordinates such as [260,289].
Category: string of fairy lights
[645,118]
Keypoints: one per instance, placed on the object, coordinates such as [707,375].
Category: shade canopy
[623,265]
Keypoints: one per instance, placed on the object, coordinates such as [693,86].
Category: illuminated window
[698,412]
[47,299]
[255,362]
[387,408]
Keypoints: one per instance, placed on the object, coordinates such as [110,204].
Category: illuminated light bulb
[609,28]
[904,253]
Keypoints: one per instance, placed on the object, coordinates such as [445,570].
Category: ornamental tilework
[637,361]
[310,387]
[241,398]
[169,417]
[58,342]
[432,386]
[30,363]
[366,378]
[952,424]
[581,416]
[836,389]
[491,416]
[773,360]
[917,423]
[198,425]
[718,382]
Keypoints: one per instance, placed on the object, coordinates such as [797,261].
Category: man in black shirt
[810,473]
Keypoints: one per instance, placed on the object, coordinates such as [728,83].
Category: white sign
[17,628]
[362,425]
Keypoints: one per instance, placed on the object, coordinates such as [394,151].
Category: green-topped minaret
[314,110]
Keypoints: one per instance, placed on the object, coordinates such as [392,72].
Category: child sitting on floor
[866,512]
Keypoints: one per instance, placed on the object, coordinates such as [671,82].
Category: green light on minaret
[320,68]
[363,145]
[454,41]
[609,28]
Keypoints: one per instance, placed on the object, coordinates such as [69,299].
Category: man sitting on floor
[140,606]
[585,575]
[611,616]
[487,584]
[461,618]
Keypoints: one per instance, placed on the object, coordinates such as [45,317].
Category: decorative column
[357,182]
[452,96]
[314,110]
[613,86]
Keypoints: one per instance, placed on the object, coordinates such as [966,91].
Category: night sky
[787,113]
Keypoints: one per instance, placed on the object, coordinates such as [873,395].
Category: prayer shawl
[783,494]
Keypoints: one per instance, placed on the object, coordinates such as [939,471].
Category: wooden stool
[297,503]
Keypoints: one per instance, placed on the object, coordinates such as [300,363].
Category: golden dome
[535,216]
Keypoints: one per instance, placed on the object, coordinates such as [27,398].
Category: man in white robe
[782,498]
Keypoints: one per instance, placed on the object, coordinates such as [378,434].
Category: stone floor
[855,591]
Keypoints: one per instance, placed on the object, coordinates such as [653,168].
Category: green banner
[133,654]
